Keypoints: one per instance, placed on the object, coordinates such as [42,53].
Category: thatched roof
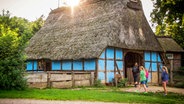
[169,45]
[95,25]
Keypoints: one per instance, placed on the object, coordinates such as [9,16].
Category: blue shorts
[143,82]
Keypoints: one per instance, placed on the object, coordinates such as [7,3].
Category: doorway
[130,59]
[44,65]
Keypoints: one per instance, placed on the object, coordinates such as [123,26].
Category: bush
[97,83]
[12,75]
[122,83]
[181,68]
[12,60]
[179,85]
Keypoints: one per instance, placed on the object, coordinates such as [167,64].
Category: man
[135,71]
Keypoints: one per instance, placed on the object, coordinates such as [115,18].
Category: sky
[33,9]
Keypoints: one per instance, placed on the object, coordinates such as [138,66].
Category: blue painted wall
[147,56]
[35,65]
[101,75]
[89,64]
[110,53]
[120,64]
[152,60]
[102,55]
[108,58]
[56,65]
[31,65]
[66,65]
[110,65]
[119,54]
[110,76]
[77,65]
[101,64]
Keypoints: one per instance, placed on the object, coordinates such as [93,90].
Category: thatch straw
[94,26]
[169,45]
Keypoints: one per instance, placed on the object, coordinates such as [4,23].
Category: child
[146,74]
[142,78]
[165,78]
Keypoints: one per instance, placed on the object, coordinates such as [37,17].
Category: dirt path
[155,89]
[31,101]
[132,89]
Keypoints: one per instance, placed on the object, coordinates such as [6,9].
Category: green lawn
[93,94]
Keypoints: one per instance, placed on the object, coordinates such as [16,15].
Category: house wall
[110,59]
[63,74]
[59,79]
[153,62]
[106,65]
[31,65]
[177,61]
[65,65]
[110,56]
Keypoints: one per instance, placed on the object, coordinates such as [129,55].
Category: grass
[86,94]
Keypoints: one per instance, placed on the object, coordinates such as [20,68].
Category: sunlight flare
[71,3]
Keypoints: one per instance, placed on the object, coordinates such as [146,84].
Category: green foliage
[97,83]
[179,85]
[178,77]
[168,15]
[122,83]
[14,35]
[36,25]
[181,68]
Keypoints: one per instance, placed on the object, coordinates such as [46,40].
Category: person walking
[135,72]
[147,75]
[165,78]
[142,78]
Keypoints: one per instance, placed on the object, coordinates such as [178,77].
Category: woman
[165,78]
[142,78]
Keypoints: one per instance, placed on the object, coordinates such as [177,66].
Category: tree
[168,15]
[15,32]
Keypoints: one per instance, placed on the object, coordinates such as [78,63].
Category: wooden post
[171,73]
[116,80]
[96,74]
[73,79]
[158,72]
[91,78]
[48,80]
